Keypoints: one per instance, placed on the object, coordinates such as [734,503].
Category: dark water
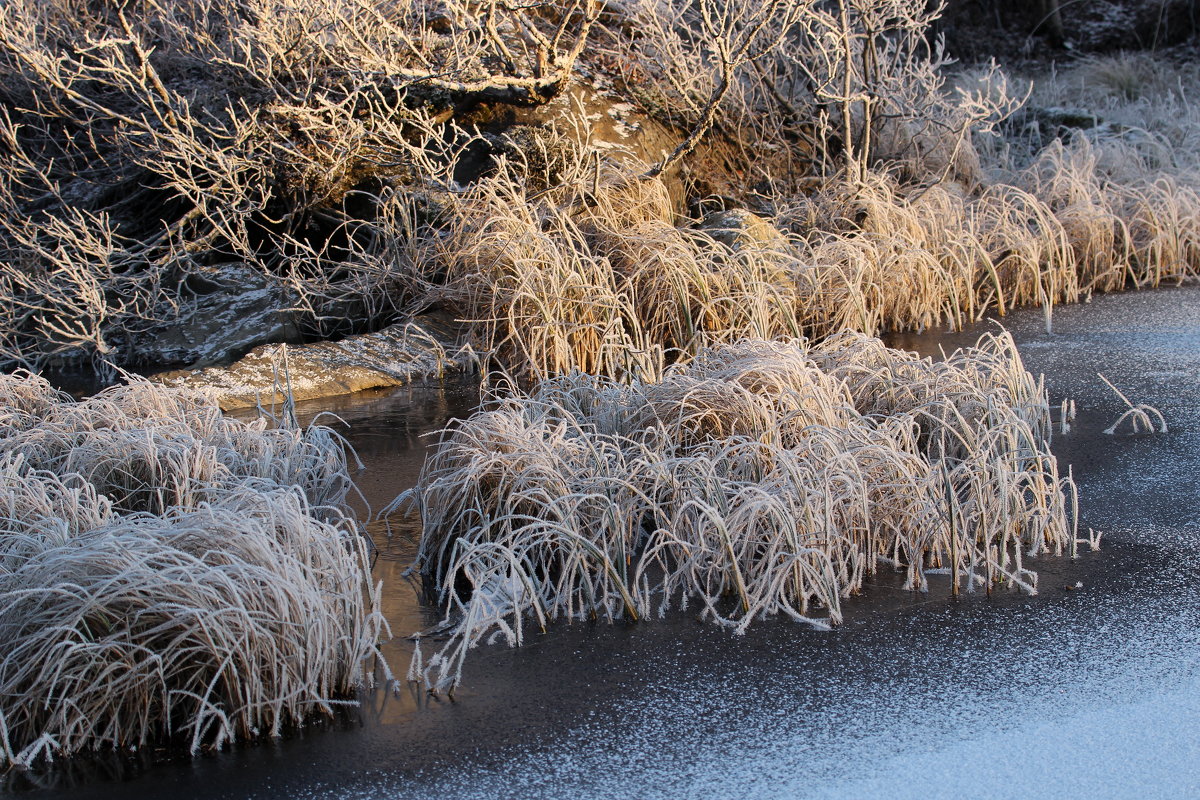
[1091,688]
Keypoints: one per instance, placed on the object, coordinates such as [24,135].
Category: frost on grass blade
[1141,417]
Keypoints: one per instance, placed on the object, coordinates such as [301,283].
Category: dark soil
[1015,32]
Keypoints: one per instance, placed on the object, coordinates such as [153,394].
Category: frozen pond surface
[1080,691]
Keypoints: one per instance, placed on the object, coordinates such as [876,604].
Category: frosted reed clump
[168,574]
[761,478]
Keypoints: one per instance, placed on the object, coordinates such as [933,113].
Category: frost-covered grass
[170,575]
[327,148]
[595,274]
[763,478]
[1141,416]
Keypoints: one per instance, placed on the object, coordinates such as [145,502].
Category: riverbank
[911,695]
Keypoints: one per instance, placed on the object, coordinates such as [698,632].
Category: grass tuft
[170,575]
[762,478]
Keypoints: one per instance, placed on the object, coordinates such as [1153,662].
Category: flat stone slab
[422,347]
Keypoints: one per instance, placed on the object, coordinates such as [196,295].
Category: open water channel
[1090,688]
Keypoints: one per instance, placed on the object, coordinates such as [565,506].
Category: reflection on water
[389,429]
[675,708]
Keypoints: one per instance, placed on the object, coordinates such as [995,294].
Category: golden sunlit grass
[591,274]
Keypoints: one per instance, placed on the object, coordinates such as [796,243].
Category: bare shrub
[147,141]
[801,87]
